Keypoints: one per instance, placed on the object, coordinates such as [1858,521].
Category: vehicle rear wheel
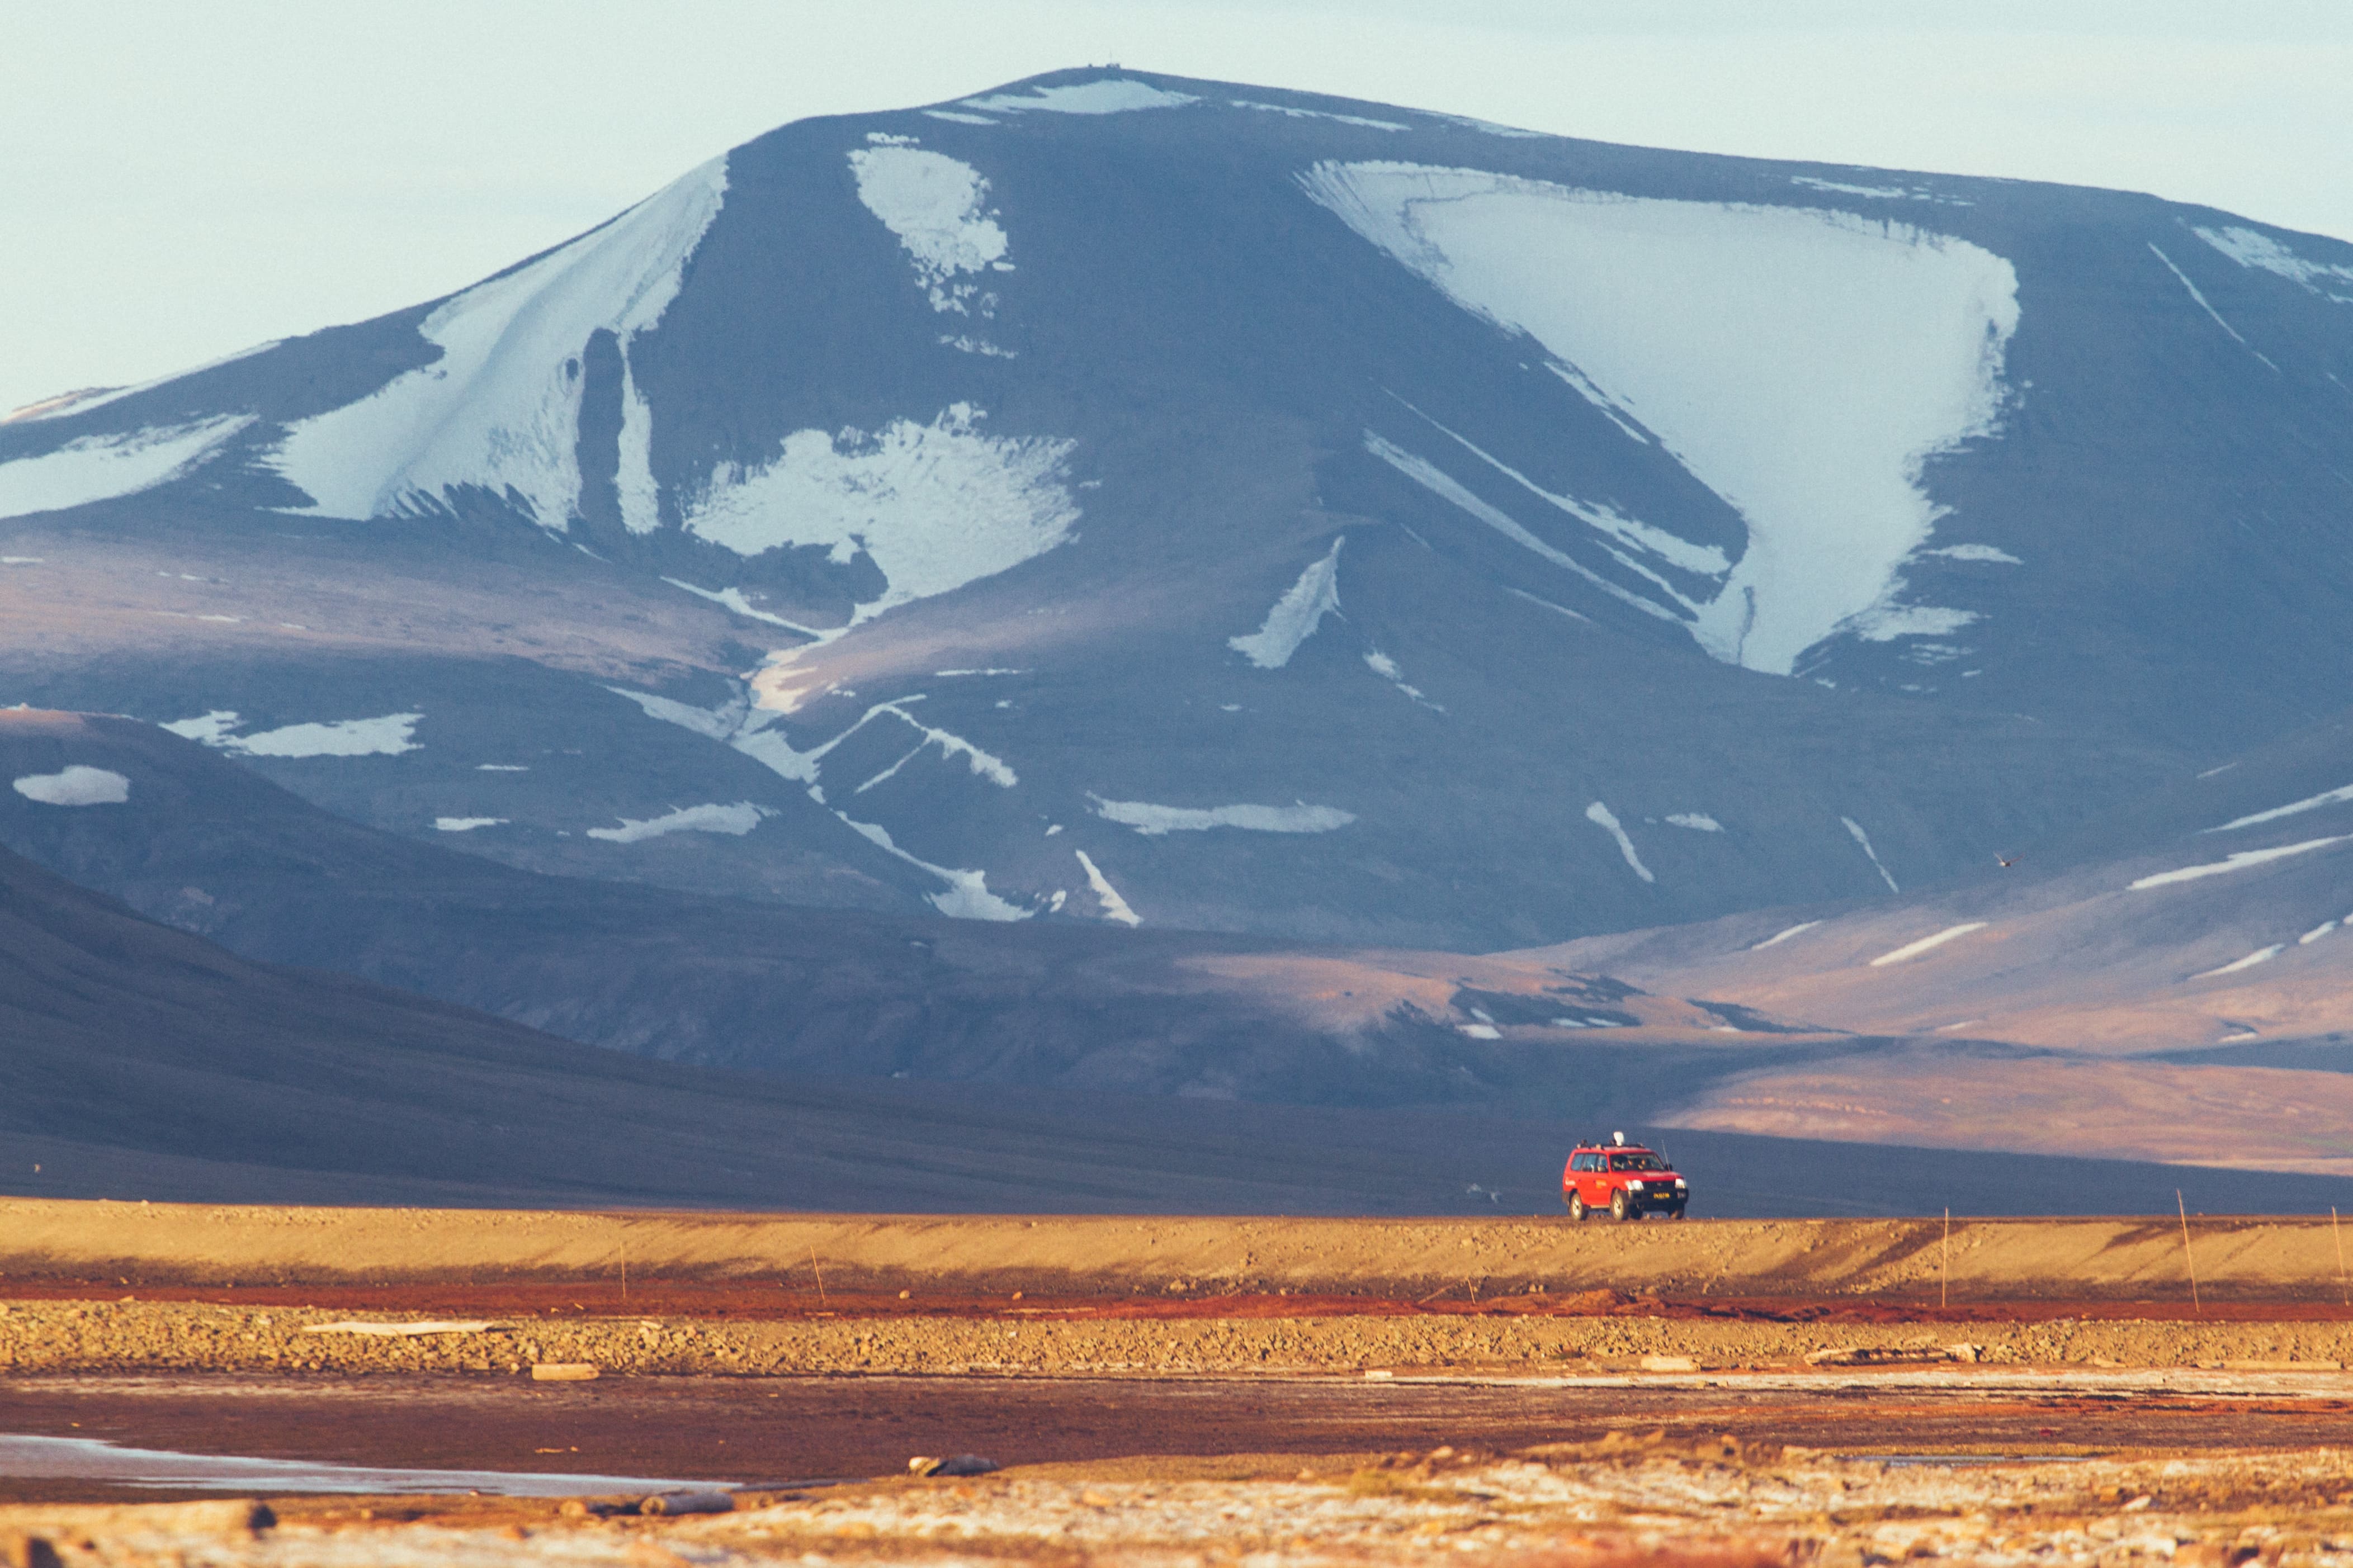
[1620,1208]
[1577,1209]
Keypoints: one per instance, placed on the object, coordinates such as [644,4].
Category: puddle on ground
[90,1460]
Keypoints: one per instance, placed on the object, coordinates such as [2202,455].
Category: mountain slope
[192,839]
[2175,976]
[141,1062]
[1119,497]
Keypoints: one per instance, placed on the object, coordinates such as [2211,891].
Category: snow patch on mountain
[1876,192]
[1115,908]
[1706,559]
[734,599]
[1107,95]
[1384,666]
[1985,553]
[469,823]
[211,729]
[1153,820]
[1444,486]
[1607,820]
[967,897]
[100,467]
[1779,937]
[1319,114]
[2216,316]
[1802,363]
[752,731]
[935,204]
[1880,193]
[76,784]
[1296,614]
[388,735]
[499,408]
[1926,943]
[1854,831]
[735,820]
[2249,248]
[2310,802]
[983,764]
[2261,955]
[1697,821]
[715,723]
[633,482]
[935,506]
[2237,862]
[1599,399]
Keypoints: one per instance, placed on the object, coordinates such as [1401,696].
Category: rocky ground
[60,1336]
[1716,1504]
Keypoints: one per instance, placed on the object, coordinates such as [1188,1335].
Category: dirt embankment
[2235,1260]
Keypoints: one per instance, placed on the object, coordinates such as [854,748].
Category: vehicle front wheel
[1619,1207]
[1577,1209]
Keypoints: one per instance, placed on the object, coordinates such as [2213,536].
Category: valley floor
[380,1391]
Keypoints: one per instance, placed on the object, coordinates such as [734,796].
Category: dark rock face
[1123,499]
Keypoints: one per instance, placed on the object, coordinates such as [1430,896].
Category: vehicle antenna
[2186,1255]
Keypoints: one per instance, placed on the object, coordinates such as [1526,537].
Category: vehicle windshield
[1644,1162]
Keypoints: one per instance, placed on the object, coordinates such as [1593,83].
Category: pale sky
[182,178]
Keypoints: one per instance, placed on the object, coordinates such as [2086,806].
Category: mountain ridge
[1118,497]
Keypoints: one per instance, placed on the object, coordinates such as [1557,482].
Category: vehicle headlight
[1678,1182]
[1635,1185]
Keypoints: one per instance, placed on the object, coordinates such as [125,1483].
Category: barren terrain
[1164,1390]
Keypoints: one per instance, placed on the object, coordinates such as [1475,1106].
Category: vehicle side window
[1580,1161]
[1616,1161]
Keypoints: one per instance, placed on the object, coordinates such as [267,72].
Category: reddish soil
[747,1302]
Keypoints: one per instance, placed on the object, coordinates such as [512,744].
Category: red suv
[1627,1179]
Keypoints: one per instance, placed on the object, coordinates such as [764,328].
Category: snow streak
[1854,831]
[1296,614]
[1608,821]
[1154,820]
[1914,949]
[1115,908]
[2238,862]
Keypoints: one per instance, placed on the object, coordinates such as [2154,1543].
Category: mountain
[1119,500]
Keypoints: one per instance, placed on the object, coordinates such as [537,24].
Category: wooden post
[2186,1255]
[1945,1263]
[2337,1229]
[820,1276]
